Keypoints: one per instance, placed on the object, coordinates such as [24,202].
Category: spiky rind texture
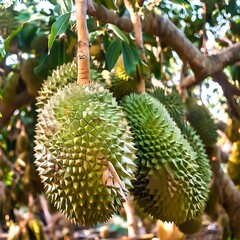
[121,88]
[233,165]
[64,74]
[84,152]
[172,102]
[198,146]
[168,184]
[204,125]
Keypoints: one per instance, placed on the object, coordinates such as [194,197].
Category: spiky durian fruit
[233,165]
[83,151]
[10,88]
[7,21]
[197,145]
[203,124]
[172,102]
[66,73]
[168,183]
[32,80]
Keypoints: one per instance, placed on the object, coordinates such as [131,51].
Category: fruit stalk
[83,43]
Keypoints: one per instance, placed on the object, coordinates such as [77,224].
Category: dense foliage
[37,37]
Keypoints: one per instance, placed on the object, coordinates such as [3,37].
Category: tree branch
[202,66]
[229,195]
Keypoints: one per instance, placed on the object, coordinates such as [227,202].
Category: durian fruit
[191,226]
[64,74]
[233,165]
[10,88]
[169,185]
[84,150]
[172,102]
[32,80]
[204,125]
[7,22]
[197,145]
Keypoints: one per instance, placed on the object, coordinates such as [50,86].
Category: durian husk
[83,150]
[172,102]
[204,125]
[168,185]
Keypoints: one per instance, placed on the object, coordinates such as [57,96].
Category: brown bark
[229,195]
[137,29]
[83,43]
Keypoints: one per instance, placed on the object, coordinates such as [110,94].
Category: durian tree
[119,104]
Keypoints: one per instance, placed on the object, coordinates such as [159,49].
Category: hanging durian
[233,165]
[168,184]
[10,88]
[203,124]
[172,102]
[84,148]
[66,73]
[197,145]
[32,80]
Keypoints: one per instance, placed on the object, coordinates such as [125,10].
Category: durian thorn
[115,175]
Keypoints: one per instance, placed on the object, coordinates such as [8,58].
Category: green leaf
[14,32]
[113,52]
[58,27]
[182,2]
[128,59]
[118,32]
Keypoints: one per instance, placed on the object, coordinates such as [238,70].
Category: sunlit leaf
[58,27]
[118,32]
[14,32]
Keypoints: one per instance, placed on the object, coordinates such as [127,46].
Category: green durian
[168,185]
[32,80]
[10,88]
[172,102]
[64,74]
[197,145]
[233,165]
[204,125]
[191,226]
[84,150]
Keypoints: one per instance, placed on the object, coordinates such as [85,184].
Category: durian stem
[137,28]
[83,43]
